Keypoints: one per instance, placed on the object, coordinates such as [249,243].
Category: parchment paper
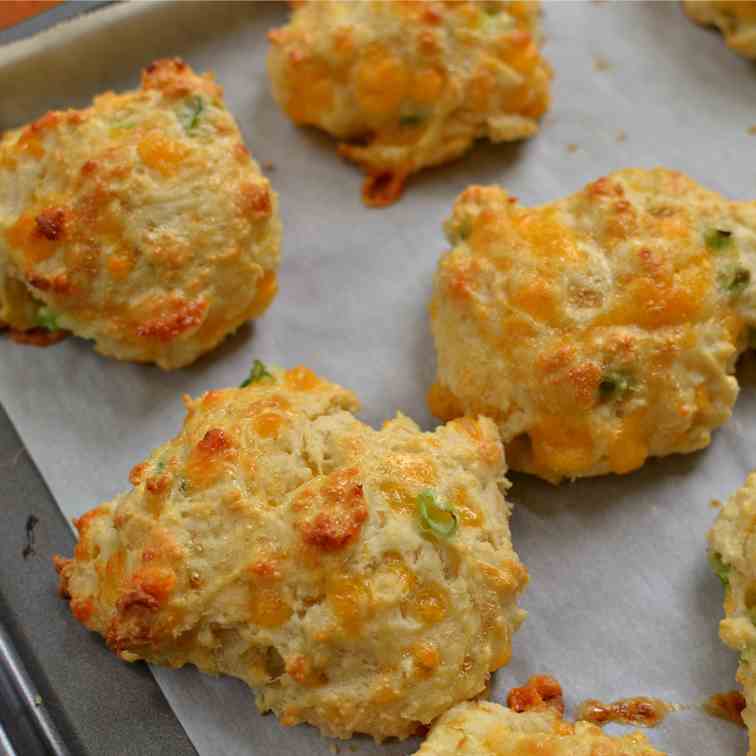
[621,601]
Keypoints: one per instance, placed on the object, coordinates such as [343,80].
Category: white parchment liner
[621,601]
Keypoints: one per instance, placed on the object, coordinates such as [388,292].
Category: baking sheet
[621,601]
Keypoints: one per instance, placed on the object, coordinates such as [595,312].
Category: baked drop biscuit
[732,555]
[141,222]
[407,85]
[358,580]
[597,330]
[736,21]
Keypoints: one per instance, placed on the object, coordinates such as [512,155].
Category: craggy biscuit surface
[140,222]
[600,329]
[736,20]
[278,539]
[483,728]
[733,557]
[410,84]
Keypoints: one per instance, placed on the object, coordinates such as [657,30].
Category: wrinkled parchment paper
[621,601]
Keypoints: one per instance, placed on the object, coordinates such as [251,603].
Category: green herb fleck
[614,386]
[717,239]
[160,466]
[752,338]
[46,318]
[190,115]
[464,229]
[721,570]
[737,281]
[411,119]
[437,516]
[124,124]
[752,614]
[258,372]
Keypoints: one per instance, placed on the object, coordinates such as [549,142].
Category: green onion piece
[464,229]
[717,239]
[752,614]
[258,372]
[192,112]
[752,337]
[613,386]
[411,119]
[46,318]
[737,282]
[437,516]
[720,569]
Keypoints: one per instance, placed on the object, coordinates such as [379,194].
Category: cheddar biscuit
[733,557]
[598,330]
[483,728]
[407,85]
[141,222]
[736,20]
[359,580]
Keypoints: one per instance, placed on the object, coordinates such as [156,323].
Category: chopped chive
[258,372]
[721,570]
[737,281]
[717,239]
[411,119]
[190,115]
[464,229]
[437,516]
[613,386]
[46,318]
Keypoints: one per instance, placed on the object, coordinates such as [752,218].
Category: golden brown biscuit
[359,580]
[483,728]
[597,330]
[140,222]
[733,557]
[736,20]
[410,84]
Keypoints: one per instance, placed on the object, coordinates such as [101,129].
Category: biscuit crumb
[752,130]
[600,63]
[572,147]
[268,165]
[621,136]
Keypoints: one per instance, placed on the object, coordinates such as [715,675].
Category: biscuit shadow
[710,657]
[484,163]
[589,497]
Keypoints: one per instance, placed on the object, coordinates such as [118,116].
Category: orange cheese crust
[278,539]
[408,85]
[141,222]
[598,330]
